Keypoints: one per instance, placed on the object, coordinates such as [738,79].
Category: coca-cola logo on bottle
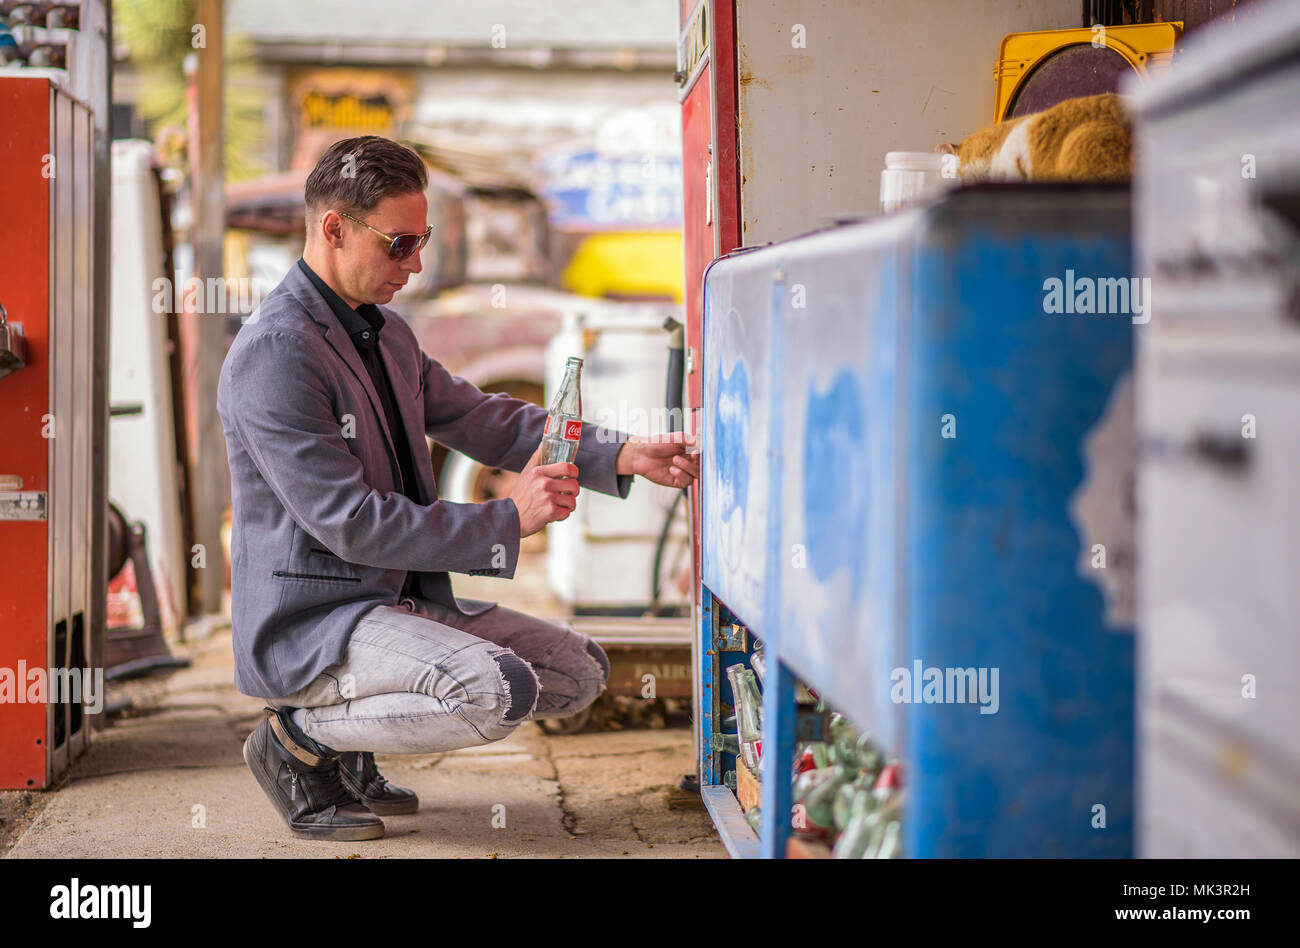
[572,430]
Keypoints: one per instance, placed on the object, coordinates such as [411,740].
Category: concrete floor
[168,780]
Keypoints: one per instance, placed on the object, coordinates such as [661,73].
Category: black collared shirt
[363,326]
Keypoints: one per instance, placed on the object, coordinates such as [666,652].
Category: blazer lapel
[341,343]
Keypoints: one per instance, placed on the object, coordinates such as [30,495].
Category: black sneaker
[301,779]
[370,787]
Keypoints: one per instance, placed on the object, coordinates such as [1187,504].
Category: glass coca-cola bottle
[564,421]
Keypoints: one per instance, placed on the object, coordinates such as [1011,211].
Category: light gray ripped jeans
[419,678]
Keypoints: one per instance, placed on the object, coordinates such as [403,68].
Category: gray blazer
[322,531]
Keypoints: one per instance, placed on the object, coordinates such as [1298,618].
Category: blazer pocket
[314,577]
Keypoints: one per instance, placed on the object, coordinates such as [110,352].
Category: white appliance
[142,475]
[601,558]
[1218,389]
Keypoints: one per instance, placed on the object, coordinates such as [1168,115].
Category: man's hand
[544,493]
[669,459]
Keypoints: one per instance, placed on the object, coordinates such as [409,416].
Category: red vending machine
[49,610]
[706,77]
[706,74]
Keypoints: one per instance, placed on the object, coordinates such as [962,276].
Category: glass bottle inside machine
[749,714]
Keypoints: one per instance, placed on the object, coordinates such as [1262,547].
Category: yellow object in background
[1147,47]
[635,264]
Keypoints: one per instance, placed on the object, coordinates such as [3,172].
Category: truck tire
[466,481]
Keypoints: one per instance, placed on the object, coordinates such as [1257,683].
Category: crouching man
[343,615]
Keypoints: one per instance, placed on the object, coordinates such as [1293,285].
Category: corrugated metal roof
[582,24]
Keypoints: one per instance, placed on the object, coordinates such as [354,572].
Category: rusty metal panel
[644,645]
[668,665]
[1196,13]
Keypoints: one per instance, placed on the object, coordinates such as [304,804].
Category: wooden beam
[208,460]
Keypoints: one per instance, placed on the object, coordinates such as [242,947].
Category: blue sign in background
[588,188]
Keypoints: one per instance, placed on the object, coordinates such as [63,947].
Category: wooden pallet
[748,790]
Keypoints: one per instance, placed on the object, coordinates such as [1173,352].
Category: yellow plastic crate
[1148,48]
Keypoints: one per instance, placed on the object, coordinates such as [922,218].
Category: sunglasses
[400,246]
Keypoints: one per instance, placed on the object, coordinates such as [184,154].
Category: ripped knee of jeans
[518,683]
[598,653]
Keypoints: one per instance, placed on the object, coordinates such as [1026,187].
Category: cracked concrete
[168,780]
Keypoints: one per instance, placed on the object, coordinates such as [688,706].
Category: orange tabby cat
[1084,139]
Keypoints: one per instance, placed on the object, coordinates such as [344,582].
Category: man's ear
[330,229]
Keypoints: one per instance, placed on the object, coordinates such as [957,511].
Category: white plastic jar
[912,177]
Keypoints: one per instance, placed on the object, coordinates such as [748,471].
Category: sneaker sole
[302,830]
[339,834]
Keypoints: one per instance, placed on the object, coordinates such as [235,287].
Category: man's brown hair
[355,174]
